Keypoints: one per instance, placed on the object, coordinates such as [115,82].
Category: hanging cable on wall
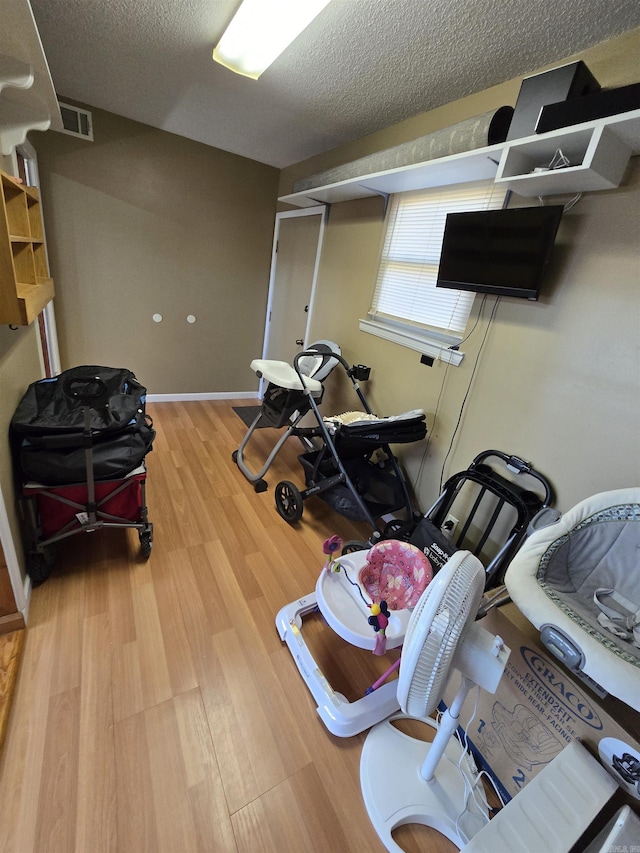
[433,426]
[444,379]
[466,396]
[457,346]
[573,202]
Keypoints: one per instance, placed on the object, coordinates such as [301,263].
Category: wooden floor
[11,646]
[156,708]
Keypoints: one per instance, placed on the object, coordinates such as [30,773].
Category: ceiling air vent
[76,121]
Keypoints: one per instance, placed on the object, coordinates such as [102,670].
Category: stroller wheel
[260,486]
[39,566]
[146,543]
[288,501]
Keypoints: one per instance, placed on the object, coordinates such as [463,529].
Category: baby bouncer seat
[286,400]
[578,581]
[492,510]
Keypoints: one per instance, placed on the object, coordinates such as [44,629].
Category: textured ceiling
[360,66]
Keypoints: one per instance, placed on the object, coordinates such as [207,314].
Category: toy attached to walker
[366,597]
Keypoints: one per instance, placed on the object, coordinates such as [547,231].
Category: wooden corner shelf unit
[25,285]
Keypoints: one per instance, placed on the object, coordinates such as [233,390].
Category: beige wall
[557,381]
[19,366]
[140,222]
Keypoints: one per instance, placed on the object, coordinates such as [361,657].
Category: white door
[294,268]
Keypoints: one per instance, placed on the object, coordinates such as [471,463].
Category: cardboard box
[537,709]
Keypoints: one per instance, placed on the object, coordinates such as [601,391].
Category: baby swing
[392,574]
[286,401]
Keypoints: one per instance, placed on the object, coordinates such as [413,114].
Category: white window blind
[406,291]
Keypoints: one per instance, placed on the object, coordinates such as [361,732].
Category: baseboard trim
[12,622]
[214,395]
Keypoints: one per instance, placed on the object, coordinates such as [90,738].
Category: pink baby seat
[395,572]
[391,571]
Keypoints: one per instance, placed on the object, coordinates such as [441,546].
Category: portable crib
[578,581]
[80,441]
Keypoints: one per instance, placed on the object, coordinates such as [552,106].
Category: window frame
[437,342]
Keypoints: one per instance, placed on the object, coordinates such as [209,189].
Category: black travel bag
[49,432]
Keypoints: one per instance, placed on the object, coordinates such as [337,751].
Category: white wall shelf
[477,165]
[14,72]
[16,120]
[27,97]
[598,151]
[598,156]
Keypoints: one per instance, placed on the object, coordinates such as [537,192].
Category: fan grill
[438,638]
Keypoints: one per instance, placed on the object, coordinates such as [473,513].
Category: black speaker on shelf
[499,125]
[559,84]
[608,102]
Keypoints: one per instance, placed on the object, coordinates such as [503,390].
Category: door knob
[300,342]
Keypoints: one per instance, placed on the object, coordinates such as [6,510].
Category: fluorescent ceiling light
[261,30]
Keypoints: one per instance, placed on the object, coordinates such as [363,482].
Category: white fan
[403,779]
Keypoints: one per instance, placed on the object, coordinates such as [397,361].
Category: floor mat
[248,415]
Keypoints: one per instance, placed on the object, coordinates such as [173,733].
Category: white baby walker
[345,603]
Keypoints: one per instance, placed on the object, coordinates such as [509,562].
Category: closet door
[294,265]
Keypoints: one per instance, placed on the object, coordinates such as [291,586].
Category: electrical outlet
[450,525]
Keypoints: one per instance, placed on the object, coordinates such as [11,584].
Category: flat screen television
[498,251]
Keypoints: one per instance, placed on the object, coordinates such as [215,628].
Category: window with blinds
[406,294]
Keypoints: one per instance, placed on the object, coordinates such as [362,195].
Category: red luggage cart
[58,511]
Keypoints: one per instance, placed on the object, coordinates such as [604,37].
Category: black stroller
[348,462]
[80,440]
